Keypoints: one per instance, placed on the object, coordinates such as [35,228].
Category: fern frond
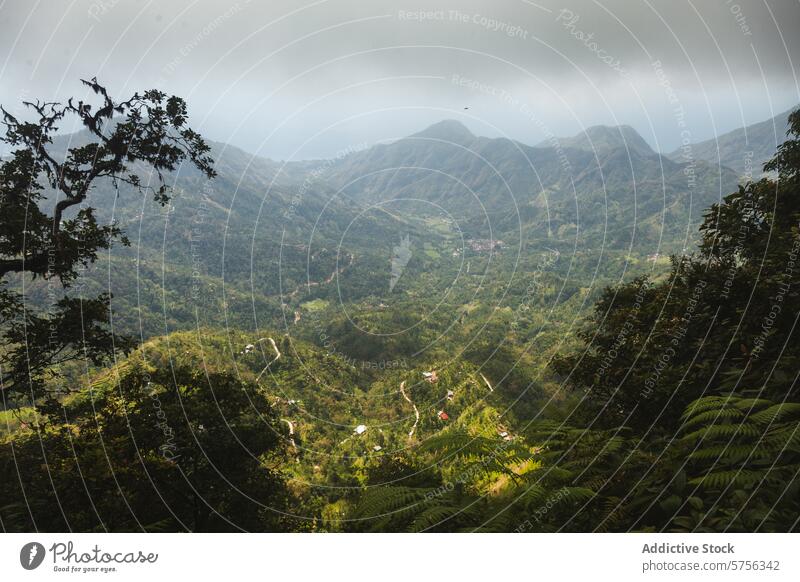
[752,403]
[704,404]
[716,431]
[717,415]
[776,413]
[743,478]
[378,501]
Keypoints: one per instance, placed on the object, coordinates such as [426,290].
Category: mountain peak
[448,130]
[601,138]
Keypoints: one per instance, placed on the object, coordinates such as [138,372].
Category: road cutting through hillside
[416,412]
[291,433]
[277,355]
[337,271]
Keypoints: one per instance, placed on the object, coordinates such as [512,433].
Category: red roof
[443,415]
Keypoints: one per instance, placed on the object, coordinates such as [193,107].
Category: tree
[725,319]
[159,450]
[148,131]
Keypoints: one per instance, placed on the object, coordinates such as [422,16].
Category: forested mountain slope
[744,150]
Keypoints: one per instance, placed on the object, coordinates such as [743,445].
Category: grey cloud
[273,76]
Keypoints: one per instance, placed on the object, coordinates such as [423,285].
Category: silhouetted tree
[48,232]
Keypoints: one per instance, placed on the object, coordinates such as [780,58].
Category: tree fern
[776,413]
[744,453]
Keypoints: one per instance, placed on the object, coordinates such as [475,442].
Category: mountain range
[264,238]
[744,150]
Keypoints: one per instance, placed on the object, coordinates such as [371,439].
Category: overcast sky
[296,79]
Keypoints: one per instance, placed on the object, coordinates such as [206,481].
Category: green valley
[445,332]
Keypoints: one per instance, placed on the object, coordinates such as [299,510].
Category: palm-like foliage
[485,485]
[743,459]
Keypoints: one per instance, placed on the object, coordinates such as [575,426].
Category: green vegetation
[563,379]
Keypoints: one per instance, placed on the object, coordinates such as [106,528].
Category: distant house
[443,415]
[431,376]
[481,245]
[360,429]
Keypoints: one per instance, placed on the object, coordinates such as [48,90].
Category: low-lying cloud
[288,79]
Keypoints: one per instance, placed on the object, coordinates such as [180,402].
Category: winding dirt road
[309,284]
[416,412]
[277,355]
[291,433]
